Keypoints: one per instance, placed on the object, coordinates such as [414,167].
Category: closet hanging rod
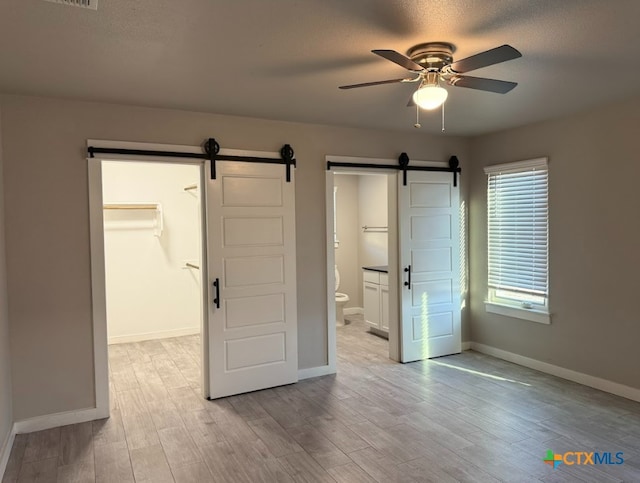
[191,187]
[115,206]
[375,228]
[191,265]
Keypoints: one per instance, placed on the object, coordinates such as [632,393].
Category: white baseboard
[353,311]
[164,334]
[579,377]
[466,346]
[5,450]
[315,372]
[49,421]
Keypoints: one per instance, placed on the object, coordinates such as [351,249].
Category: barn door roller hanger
[211,152]
[403,165]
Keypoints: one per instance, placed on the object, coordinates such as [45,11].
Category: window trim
[537,312]
[508,310]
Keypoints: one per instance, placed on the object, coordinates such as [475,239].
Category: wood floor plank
[186,398]
[193,473]
[178,447]
[259,463]
[15,459]
[150,465]
[234,427]
[108,430]
[382,468]
[164,414]
[248,407]
[393,443]
[223,463]
[431,474]
[318,446]
[279,410]
[153,389]
[41,471]
[369,411]
[339,434]
[124,378]
[350,473]
[279,442]
[76,444]
[140,431]
[447,465]
[201,427]
[113,463]
[435,431]
[81,472]
[302,467]
[42,445]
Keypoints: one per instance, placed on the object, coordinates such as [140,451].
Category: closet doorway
[152,221]
[247,296]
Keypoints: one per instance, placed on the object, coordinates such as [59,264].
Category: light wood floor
[464,418]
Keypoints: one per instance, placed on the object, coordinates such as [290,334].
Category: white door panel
[251,250]
[429,235]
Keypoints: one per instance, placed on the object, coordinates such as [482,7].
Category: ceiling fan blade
[399,59]
[482,84]
[485,59]
[377,83]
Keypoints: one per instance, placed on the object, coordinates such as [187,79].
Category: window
[517,203]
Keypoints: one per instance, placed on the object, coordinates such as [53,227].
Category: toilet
[341,300]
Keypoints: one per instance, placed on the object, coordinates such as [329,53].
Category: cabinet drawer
[371,276]
[384,279]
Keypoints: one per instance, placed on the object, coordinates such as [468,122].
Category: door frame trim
[395,336]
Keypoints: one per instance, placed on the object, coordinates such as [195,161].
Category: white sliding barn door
[429,238]
[251,254]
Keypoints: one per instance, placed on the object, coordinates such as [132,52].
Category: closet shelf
[141,206]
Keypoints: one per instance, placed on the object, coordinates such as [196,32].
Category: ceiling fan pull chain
[417,125]
[442,117]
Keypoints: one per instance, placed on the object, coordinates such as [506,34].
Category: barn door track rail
[403,165]
[211,152]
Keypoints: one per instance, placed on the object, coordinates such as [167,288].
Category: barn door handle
[216,284]
[408,282]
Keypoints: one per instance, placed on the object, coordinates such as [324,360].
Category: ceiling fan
[432,62]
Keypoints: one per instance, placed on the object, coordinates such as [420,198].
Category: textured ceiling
[283,59]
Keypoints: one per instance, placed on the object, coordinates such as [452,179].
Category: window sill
[519,313]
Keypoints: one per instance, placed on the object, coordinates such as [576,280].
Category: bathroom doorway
[360,252]
[422,284]
[152,222]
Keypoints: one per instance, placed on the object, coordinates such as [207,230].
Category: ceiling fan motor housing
[433,56]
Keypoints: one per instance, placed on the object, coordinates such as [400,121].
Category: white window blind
[518,211]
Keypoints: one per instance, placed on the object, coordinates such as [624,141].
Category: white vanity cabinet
[376,300]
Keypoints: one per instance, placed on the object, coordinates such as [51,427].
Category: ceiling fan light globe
[430,97]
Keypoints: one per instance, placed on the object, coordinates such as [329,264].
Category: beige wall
[347,252]
[47,225]
[594,243]
[6,411]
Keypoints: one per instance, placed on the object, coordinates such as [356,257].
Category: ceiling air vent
[91,4]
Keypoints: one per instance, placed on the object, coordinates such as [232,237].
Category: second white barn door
[429,238]
[252,275]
